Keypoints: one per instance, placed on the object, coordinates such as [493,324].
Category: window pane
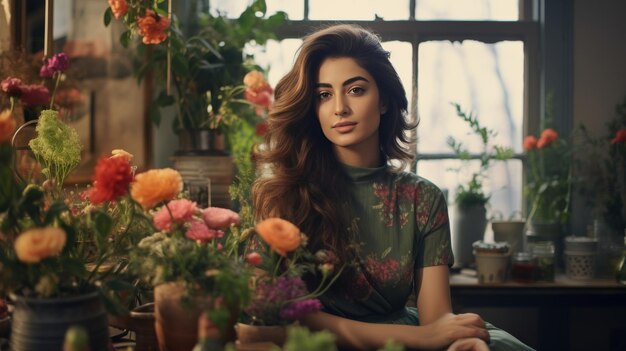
[234,8]
[401,59]
[503,182]
[468,10]
[278,57]
[487,79]
[358,9]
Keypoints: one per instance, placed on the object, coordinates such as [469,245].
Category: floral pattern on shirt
[397,202]
[387,271]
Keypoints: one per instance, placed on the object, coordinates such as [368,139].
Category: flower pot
[249,334]
[142,323]
[201,142]
[468,227]
[176,322]
[39,324]
[510,231]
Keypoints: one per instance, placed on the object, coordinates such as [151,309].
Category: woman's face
[348,107]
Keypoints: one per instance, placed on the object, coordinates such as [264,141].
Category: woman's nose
[341,108]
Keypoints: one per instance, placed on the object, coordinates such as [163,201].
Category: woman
[337,123]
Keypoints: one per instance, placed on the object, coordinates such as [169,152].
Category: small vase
[176,322]
[469,226]
[39,324]
[248,334]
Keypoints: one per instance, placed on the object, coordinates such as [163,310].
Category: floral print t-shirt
[402,225]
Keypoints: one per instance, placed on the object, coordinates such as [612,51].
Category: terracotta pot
[248,334]
[176,322]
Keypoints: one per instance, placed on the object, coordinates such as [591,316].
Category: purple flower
[12,86]
[33,95]
[57,63]
[299,309]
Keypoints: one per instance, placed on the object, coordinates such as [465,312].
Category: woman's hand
[452,328]
[470,344]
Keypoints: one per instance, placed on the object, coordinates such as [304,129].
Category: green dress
[402,225]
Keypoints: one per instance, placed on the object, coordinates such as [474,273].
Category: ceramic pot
[468,227]
[200,142]
[510,231]
[176,321]
[39,324]
[249,334]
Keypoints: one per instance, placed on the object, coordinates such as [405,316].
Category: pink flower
[56,64]
[33,95]
[547,137]
[198,231]
[11,86]
[530,142]
[254,258]
[219,218]
[620,136]
[181,211]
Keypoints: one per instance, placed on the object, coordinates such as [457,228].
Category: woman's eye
[357,90]
[323,95]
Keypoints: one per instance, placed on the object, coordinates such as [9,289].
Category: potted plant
[190,260]
[470,198]
[281,297]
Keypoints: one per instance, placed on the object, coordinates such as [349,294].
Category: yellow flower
[121,153]
[281,235]
[37,244]
[7,126]
[156,185]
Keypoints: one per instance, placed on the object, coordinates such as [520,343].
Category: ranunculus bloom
[530,142]
[261,128]
[198,231]
[112,177]
[176,211]
[7,126]
[11,86]
[254,80]
[118,7]
[254,258]
[547,137]
[156,185]
[57,63]
[34,245]
[122,154]
[152,27]
[262,97]
[34,95]
[281,235]
[620,136]
[219,218]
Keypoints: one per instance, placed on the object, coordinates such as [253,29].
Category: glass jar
[543,255]
[620,276]
[523,267]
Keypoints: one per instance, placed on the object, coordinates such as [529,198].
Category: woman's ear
[383,108]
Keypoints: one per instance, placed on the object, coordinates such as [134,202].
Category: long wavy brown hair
[303,181]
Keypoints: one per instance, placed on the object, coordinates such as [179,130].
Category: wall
[599,72]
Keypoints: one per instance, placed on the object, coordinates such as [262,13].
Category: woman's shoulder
[405,177]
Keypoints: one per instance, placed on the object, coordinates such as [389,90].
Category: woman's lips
[344,127]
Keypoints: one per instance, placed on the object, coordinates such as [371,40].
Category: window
[481,54]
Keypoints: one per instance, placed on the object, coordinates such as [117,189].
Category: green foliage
[472,193]
[301,339]
[57,147]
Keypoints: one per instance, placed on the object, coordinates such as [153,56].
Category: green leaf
[108,16]
[125,38]
[161,12]
[103,225]
[6,187]
[165,100]
[179,65]
[155,114]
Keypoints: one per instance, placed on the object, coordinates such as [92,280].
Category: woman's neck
[358,158]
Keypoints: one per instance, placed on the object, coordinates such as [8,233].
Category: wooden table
[570,314]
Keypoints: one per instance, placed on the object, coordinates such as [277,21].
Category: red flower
[33,95]
[11,86]
[530,142]
[620,136]
[254,259]
[111,179]
[547,137]
[118,7]
[261,97]
[152,27]
[261,128]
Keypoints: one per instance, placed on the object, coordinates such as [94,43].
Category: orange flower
[282,236]
[255,81]
[7,126]
[156,185]
[119,8]
[620,136]
[37,244]
[530,142]
[152,27]
[547,137]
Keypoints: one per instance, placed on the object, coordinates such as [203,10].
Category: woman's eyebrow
[348,81]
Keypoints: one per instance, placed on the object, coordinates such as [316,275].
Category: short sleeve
[433,228]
